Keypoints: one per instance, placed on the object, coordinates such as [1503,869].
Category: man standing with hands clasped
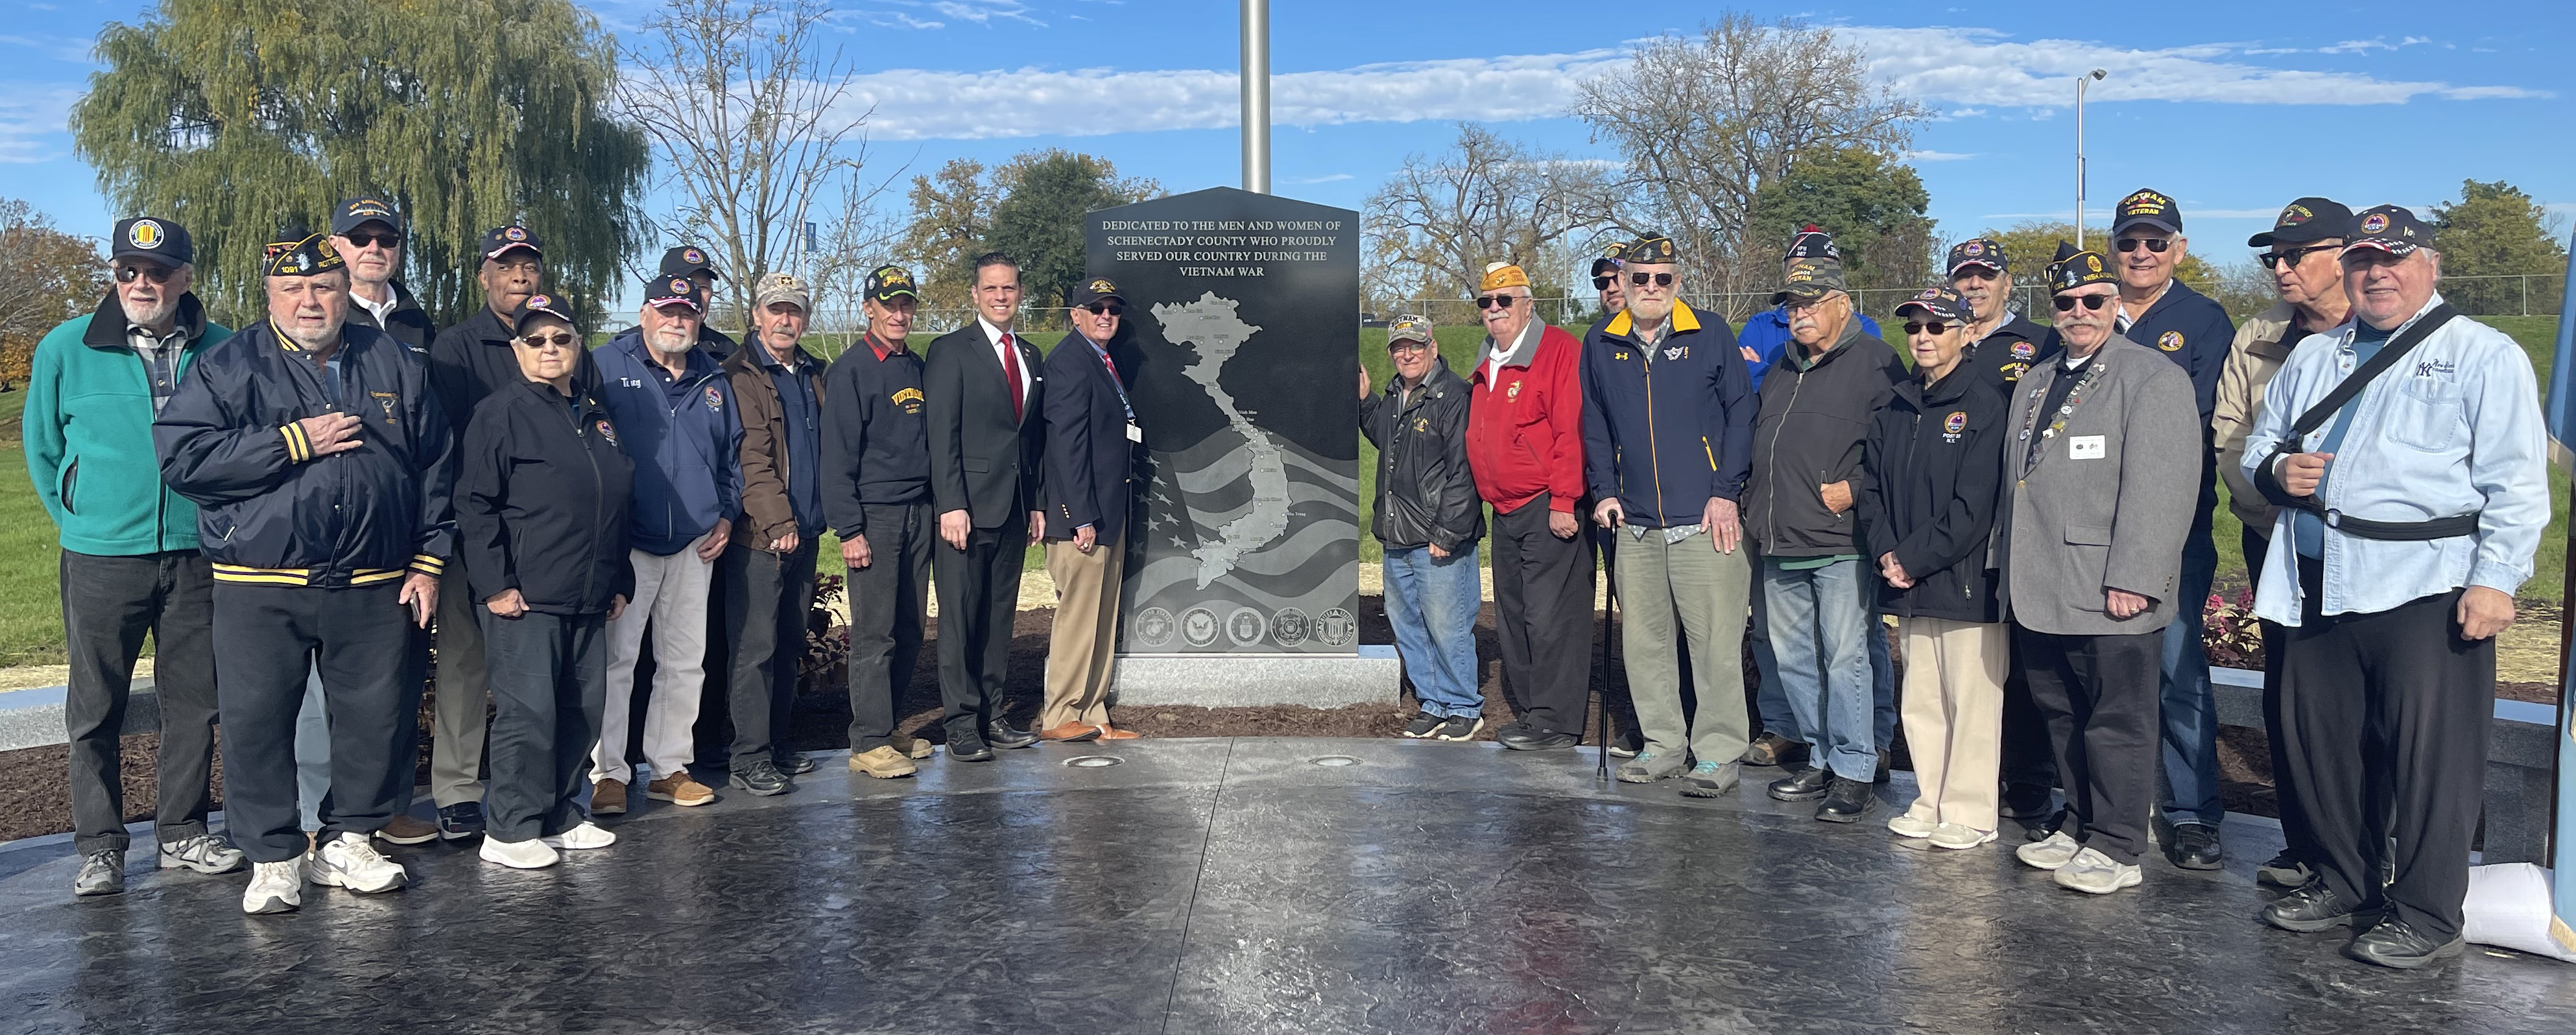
[1091,443]
[767,572]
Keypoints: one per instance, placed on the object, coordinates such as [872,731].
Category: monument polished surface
[1245,885]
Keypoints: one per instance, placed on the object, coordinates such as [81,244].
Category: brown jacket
[766,514]
[2256,355]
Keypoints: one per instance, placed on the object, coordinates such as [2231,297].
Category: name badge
[1135,434]
[2085,447]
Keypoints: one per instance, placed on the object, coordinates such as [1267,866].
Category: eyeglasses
[1103,309]
[1657,279]
[1603,283]
[2066,303]
[1935,327]
[385,240]
[558,339]
[155,274]
[1496,301]
[2154,244]
[2293,256]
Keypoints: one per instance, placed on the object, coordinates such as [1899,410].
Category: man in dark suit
[1091,443]
[984,394]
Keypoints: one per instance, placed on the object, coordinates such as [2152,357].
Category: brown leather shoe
[678,789]
[403,829]
[882,762]
[910,747]
[608,798]
[1108,732]
[1070,732]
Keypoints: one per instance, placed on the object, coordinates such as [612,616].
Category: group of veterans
[581,534]
[2032,505]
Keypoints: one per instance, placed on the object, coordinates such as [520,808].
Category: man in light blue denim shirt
[2412,514]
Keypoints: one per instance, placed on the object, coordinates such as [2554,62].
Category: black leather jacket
[1424,496]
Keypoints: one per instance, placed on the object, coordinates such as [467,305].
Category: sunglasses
[2153,244]
[155,274]
[1603,283]
[1496,301]
[379,240]
[2293,256]
[1103,309]
[1935,327]
[2066,303]
[558,339]
[1657,279]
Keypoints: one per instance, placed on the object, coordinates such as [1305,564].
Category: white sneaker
[276,887]
[349,861]
[2049,854]
[1959,836]
[2094,873]
[586,836]
[519,855]
[1903,824]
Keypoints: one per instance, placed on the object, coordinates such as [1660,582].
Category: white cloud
[2368,45]
[894,14]
[1985,67]
[1308,180]
[33,122]
[1937,156]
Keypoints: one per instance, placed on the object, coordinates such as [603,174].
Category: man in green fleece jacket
[130,563]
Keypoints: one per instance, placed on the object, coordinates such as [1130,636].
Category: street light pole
[1256,96]
[2081,82]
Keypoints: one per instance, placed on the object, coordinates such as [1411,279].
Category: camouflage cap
[1408,328]
[1809,280]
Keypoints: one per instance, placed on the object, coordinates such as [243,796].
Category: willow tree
[235,117]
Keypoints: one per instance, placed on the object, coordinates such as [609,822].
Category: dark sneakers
[792,763]
[1459,727]
[2194,846]
[969,751]
[1806,784]
[2396,944]
[461,820]
[1846,801]
[1423,726]
[2309,909]
[762,778]
[1524,737]
[2284,871]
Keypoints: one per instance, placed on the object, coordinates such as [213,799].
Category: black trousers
[372,660]
[1543,616]
[2389,710]
[712,735]
[2027,758]
[549,680]
[2100,696]
[108,604]
[979,595]
[886,613]
[2298,841]
[766,598]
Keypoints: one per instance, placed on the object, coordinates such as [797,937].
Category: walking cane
[1601,743]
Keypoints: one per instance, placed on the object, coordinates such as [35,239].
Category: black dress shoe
[761,777]
[1004,735]
[2027,801]
[2394,943]
[969,751]
[1525,737]
[1806,784]
[2194,846]
[2309,909]
[1846,801]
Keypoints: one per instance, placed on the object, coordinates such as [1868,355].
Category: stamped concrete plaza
[1243,885]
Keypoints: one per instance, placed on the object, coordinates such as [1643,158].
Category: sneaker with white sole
[1959,836]
[1423,726]
[519,855]
[276,887]
[1460,727]
[348,861]
[2049,854]
[1649,767]
[2094,873]
[581,838]
[1907,825]
[204,853]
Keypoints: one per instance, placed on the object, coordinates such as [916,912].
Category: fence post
[2526,293]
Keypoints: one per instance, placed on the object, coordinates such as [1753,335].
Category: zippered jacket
[407,323]
[475,358]
[88,434]
[2263,342]
[768,512]
[1807,435]
[1425,494]
[1766,335]
[1665,437]
[541,501]
[270,511]
[685,439]
[1935,459]
[1525,423]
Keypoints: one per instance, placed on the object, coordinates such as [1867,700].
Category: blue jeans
[2189,775]
[1819,620]
[1432,604]
[1882,674]
[1770,701]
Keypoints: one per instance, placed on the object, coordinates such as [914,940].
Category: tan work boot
[404,829]
[608,798]
[882,762]
[678,789]
[909,746]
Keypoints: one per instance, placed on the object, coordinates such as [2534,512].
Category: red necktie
[1011,372]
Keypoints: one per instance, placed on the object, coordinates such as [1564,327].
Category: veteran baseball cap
[1651,250]
[2074,269]
[1609,259]
[160,240]
[354,212]
[2389,228]
[1978,251]
[298,252]
[541,304]
[662,291]
[688,260]
[1096,289]
[2147,208]
[783,287]
[2304,221]
[1939,303]
[1812,242]
[501,239]
[887,283]
[1809,280]
[1408,328]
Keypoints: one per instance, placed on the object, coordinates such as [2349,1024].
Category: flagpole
[1256,96]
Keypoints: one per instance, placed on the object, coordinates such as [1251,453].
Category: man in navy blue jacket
[1091,443]
[675,409]
[317,455]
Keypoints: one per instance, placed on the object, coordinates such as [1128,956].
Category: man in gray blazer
[2104,462]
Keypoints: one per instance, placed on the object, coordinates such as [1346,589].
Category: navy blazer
[1090,464]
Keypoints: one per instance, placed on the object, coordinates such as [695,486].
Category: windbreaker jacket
[767,513]
[2262,344]
[1666,437]
[1766,335]
[1806,435]
[876,444]
[684,437]
[1936,463]
[541,501]
[407,323]
[270,511]
[1525,423]
[2009,351]
[2191,329]
[475,359]
[88,430]
[1425,494]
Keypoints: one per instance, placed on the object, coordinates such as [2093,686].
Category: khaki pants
[670,595]
[456,721]
[1707,594]
[1083,645]
[1954,701]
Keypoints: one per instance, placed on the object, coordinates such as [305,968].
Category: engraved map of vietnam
[1215,331]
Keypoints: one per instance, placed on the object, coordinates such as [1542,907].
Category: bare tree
[743,106]
[1440,218]
[1706,121]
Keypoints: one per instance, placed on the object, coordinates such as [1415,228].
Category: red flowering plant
[2230,633]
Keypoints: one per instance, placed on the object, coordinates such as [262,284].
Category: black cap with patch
[2389,228]
[2147,208]
[2074,269]
[160,240]
[2304,221]
[354,212]
[1978,251]
[688,260]
[541,304]
[298,252]
[1939,303]
[887,283]
[1096,289]
[500,239]
[1812,242]
[1609,259]
[1651,250]
[680,290]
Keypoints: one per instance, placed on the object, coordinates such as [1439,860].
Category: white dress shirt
[993,335]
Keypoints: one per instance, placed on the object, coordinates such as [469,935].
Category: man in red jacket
[1525,448]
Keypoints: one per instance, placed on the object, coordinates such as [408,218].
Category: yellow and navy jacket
[271,512]
[1665,430]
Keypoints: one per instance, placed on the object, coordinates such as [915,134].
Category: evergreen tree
[2496,230]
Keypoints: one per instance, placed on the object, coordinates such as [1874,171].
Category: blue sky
[2233,108]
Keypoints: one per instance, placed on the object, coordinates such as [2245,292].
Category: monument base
[1373,676]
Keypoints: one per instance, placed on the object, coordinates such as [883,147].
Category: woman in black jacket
[541,507]
[1927,513]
